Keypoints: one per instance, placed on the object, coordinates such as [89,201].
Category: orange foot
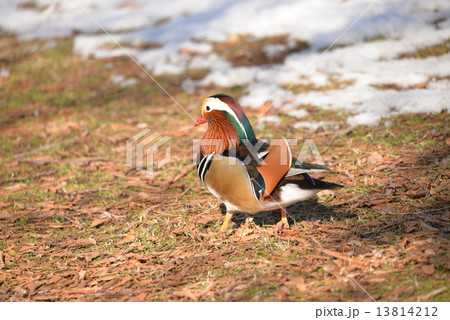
[283,224]
[224,226]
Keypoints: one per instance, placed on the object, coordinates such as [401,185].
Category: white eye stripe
[217,104]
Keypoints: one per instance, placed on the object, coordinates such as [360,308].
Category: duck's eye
[207,108]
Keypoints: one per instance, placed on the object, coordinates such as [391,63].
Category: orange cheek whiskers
[220,135]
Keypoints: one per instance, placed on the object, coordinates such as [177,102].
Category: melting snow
[179,35]
[123,82]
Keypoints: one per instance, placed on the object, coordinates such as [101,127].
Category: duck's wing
[304,181]
[303,167]
[266,164]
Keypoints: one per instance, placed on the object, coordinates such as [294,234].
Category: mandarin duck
[247,174]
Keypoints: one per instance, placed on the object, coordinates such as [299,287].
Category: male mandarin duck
[247,174]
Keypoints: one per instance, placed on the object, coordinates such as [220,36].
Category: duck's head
[225,119]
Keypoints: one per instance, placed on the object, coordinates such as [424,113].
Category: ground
[77,224]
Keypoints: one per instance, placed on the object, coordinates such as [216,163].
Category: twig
[347,258]
[78,160]
[426,297]
[45,147]
[40,175]
[418,183]
[73,221]
[418,167]
[275,257]
[2,261]
[178,176]
[44,216]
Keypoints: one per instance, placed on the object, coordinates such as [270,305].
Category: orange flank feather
[219,136]
[275,166]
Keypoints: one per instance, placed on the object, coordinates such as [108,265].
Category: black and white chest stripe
[204,165]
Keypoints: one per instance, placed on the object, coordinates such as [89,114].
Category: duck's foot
[224,226]
[283,224]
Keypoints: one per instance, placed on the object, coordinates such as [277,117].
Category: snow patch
[123,82]
[300,113]
[180,35]
[313,125]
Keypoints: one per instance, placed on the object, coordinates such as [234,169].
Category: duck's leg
[284,221]
[224,226]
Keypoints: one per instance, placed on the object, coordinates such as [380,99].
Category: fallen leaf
[374,158]
[54,279]
[129,238]
[376,202]
[420,85]
[20,291]
[16,187]
[98,222]
[34,285]
[428,269]
[81,275]
[289,233]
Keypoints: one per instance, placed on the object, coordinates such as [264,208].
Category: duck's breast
[227,178]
